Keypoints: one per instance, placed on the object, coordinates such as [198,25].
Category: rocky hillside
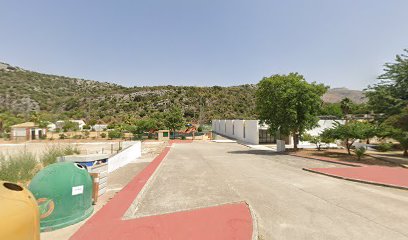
[23,92]
[335,95]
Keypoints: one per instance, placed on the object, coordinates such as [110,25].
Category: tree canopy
[289,104]
[350,132]
[390,98]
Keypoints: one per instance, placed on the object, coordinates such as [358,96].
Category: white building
[99,127]
[249,131]
[323,125]
[81,123]
[252,132]
[27,131]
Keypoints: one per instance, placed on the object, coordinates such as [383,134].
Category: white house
[81,123]
[99,127]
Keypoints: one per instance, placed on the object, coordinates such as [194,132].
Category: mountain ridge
[23,92]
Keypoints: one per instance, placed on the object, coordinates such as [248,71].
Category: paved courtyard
[289,203]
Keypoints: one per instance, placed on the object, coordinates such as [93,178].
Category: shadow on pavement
[256,152]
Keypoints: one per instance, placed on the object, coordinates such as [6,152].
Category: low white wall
[125,156]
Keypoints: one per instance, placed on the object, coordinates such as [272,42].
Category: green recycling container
[64,195]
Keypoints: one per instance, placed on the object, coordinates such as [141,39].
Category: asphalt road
[289,203]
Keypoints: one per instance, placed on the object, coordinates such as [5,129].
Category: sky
[341,43]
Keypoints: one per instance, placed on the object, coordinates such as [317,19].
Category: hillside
[23,92]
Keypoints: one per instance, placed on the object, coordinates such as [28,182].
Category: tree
[289,104]
[346,105]
[70,126]
[390,98]
[396,127]
[350,132]
[173,119]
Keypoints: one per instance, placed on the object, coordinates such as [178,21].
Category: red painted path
[385,176]
[230,221]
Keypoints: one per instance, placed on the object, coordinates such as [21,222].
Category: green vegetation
[384,147]
[23,166]
[289,104]
[360,152]
[53,152]
[350,132]
[115,134]
[18,168]
[390,98]
[173,119]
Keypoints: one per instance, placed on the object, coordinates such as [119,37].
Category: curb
[356,180]
[388,161]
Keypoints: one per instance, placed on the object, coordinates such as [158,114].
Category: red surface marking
[231,221]
[389,176]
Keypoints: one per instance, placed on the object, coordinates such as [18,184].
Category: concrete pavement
[289,203]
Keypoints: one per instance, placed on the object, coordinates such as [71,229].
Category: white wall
[125,156]
[323,125]
[235,129]
[19,132]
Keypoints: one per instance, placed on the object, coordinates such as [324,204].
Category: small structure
[163,135]
[64,195]
[99,127]
[27,131]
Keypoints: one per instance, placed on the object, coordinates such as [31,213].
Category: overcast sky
[342,43]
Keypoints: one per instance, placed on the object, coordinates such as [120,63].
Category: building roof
[25,125]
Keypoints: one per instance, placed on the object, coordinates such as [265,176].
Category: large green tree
[289,104]
[390,99]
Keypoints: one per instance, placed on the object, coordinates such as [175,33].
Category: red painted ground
[230,221]
[387,176]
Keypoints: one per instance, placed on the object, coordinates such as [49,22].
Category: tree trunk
[295,141]
[348,146]
[405,152]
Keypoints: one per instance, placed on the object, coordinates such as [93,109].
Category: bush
[63,136]
[52,153]
[77,136]
[359,152]
[384,147]
[103,135]
[183,137]
[18,168]
[115,134]
[200,129]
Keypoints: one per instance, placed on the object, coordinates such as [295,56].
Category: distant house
[99,127]
[51,127]
[27,131]
[60,124]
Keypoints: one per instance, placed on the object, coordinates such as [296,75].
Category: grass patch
[19,167]
[22,167]
[53,152]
